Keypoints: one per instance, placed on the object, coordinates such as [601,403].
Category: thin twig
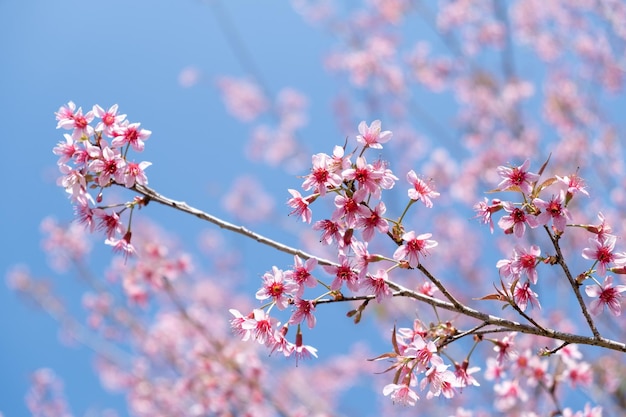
[572,281]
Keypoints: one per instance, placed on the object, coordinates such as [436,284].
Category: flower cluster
[535,212]
[356,186]
[415,356]
[95,157]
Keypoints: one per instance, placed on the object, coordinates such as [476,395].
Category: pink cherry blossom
[509,393]
[365,174]
[517,177]
[109,222]
[71,118]
[401,394]
[525,262]
[236,325]
[484,211]
[130,133]
[349,208]
[421,189]
[523,295]
[122,245]
[301,274]
[110,166]
[439,379]
[302,351]
[464,374]
[135,174]
[321,177]
[304,311]
[555,210]
[608,296]
[65,150]
[277,287]
[374,222]
[378,285]
[343,273]
[574,184]
[506,347]
[516,221]
[602,252]
[109,119]
[371,136]
[260,326]
[413,247]
[300,206]
[331,231]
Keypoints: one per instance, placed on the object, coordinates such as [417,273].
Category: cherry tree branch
[399,291]
[575,287]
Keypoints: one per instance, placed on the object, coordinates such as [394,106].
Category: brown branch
[575,287]
[400,291]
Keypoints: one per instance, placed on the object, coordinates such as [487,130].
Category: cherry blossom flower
[109,222]
[574,184]
[421,189]
[65,150]
[349,208]
[401,394]
[506,347]
[365,175]
[301,274]
[260,326]
[517,177]
[484,211]
[578,374]
[509,393]
[110,166]
[608,296]
[439,379]
[280,342]
[523,295]
[277,287]
[378,285]
[372,222]
[343,273]
[71,118]
[517,220]
[464,374]
[423,350]
[331,231]
[304,311]
[302,351]
[300,205]
[525,262]
[387,180]
[371,136]
[321,177]
[236,325]
[555,210]
[109,119]
[122,245]
[601,251]
[135,174]
[413,247]
[130,133]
